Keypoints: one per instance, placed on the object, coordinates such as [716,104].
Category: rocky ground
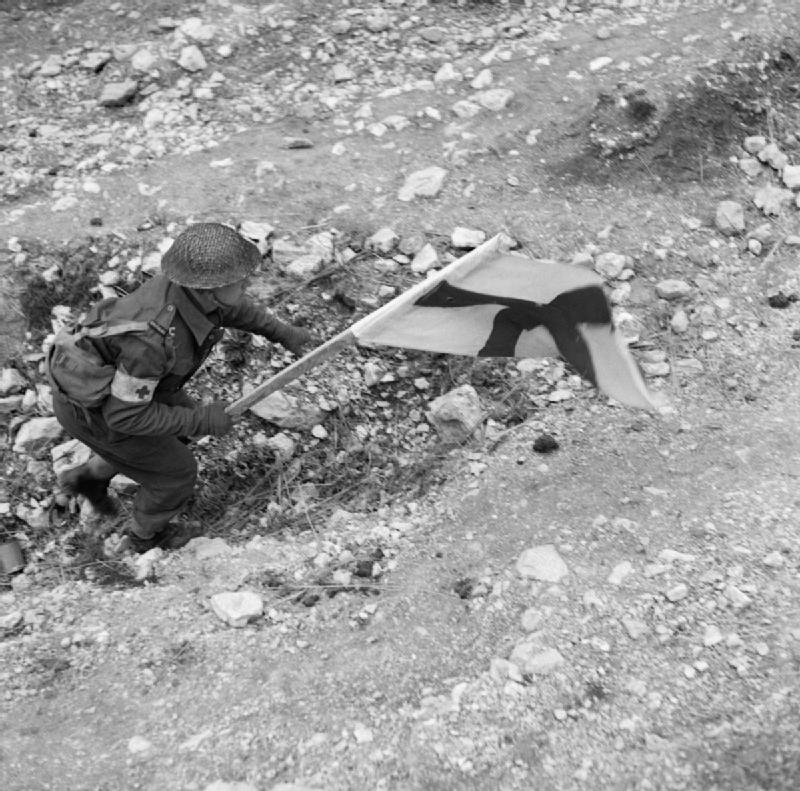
[577,596]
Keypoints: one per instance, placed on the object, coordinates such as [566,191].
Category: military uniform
[140,428]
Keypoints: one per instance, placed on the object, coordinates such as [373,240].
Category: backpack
[76,368]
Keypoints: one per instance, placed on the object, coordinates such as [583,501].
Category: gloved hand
[215,420]
[298,340]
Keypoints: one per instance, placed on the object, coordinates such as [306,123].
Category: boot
[174,536]
[91,480]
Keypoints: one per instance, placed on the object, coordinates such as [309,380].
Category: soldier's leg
[90,479]
[166,471]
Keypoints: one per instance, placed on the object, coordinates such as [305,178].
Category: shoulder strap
[160,324]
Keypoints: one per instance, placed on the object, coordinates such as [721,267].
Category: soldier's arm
[130,408]
[253,318]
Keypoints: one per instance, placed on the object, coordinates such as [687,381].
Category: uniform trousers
[164,467]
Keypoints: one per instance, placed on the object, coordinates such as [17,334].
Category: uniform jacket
[152,367]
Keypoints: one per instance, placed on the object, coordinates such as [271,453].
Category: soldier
[118,378]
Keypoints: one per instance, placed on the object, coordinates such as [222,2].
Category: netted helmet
[208,255]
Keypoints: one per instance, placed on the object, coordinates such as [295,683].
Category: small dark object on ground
[796,335]
[464,587]
[96,222]
[781,300]
[545,443]
[364,568]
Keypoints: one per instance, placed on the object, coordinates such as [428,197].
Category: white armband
[132,389]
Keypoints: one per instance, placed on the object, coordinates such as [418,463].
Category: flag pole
[349,337]
[311,360]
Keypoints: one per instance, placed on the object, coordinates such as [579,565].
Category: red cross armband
[132,389]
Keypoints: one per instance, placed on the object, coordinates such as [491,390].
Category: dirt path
[681,672]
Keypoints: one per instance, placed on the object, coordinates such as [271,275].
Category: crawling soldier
[118,378]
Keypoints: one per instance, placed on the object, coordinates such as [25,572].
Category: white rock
[195,29]
[679,323]
[542,563]
[620,572]
[342,73]
[319,431]
[446,73]
[383,240]
[237,608]
[115,94]
[677,592]
[11,620]
[754,144]
[773,156]
[466,109]
[770,199]
[750,166]
[425,259]
[191,58]
[12,382]
[494,99]
[362,734]
[467,238]
[396,122]
[530,657]
[259,233]
[204,547]
[222,785]
[282,445]
[737,598]
[634,627]
[791,177]
[37,433]
[610,265]
[69,455]
[673,289]
[483,79]
[305,265]
[51,67]
[373,373]
[285,411]
[425,183]
[378,21]
[138,745]
[456,415]
[600,63]
[143,60]
[774,560]
[712,636]
[145,563]
[729,217]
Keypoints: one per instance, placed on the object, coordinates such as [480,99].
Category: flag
[509,305]
[492,303]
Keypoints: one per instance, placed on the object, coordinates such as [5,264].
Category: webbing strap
[104,330]
[160,324]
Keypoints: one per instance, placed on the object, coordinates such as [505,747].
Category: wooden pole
[348,337]
[311,360]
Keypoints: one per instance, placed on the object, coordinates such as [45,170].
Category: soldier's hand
[215,419]
[299,340]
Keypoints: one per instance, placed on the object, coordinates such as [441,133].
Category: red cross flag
[494,303]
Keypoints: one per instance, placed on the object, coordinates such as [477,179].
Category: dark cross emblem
[560,317]
[142,392]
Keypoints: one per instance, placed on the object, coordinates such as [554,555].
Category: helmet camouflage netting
[209,255]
